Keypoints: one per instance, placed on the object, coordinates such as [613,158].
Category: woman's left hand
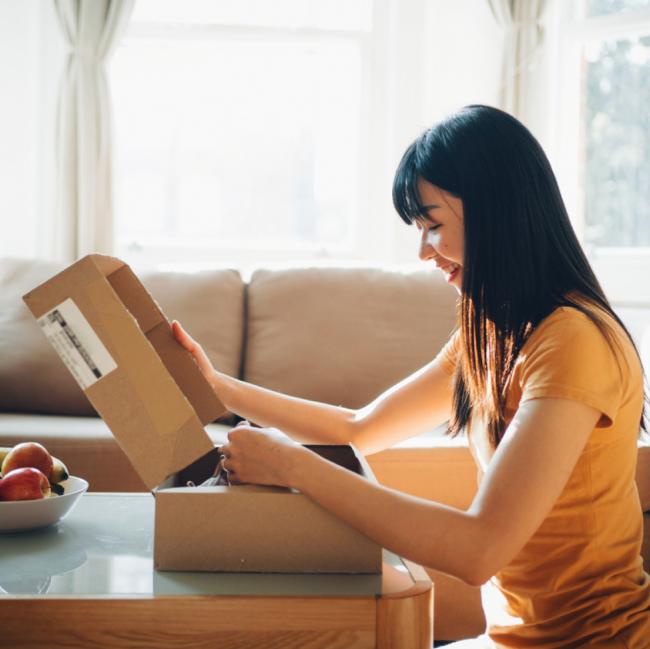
[263,456]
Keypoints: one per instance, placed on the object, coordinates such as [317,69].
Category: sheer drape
[524,32]
[84,220]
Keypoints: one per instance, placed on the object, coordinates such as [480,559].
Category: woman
[542,376]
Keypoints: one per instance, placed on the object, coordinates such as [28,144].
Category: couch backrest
[210,305]
[336,335]
[342,335]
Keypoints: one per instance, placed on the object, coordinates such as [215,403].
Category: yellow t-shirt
[579,580]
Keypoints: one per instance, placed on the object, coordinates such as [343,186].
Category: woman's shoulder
[582,319]
[582,353]
[582,330]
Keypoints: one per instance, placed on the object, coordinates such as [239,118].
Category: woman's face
[441,231]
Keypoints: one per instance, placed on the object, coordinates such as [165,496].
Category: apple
[25,483]
[28,454]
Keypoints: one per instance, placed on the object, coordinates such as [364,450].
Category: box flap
[69,282]
[186,373]
[151,418]
[179,362]
[136,298]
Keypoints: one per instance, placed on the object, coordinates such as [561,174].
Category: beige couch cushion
[210,305]
[343,335]
[32,378]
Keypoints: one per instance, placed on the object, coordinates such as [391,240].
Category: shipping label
[76,343]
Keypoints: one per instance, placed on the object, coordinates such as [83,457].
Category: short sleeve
[569,357]
[447,357]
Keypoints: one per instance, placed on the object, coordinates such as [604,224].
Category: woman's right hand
[200,357]
[308,421]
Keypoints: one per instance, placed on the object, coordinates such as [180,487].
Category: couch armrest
[443,470]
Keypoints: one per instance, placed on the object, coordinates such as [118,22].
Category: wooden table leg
[405,620]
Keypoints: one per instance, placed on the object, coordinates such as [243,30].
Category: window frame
[621,270]
[376,112]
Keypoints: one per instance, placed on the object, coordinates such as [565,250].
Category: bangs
[405,192]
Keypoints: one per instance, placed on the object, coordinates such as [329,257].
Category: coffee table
[89,581]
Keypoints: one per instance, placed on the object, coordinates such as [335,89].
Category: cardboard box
[116,341]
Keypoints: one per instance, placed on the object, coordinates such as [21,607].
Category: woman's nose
[426,251]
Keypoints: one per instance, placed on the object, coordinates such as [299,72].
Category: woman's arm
[524,479]
[419,403]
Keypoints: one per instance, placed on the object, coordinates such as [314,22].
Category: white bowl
[20,515]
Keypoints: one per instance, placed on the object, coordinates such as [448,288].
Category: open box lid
[118,344]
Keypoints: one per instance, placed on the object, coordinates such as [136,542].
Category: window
[606,119]
[238,128]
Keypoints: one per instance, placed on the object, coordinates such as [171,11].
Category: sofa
[338,335]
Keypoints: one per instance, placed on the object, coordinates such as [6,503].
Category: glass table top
[105,547]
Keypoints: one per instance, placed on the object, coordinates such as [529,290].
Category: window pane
[617,173]
[246,141]
[603,7]
[328,14]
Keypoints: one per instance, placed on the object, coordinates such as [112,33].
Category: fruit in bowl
[28,454]
[36,488]
[26,483]
[30,472]
[21,515]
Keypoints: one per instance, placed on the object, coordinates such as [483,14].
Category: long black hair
[522,258]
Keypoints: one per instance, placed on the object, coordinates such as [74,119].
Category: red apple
[28,454]
[26,483]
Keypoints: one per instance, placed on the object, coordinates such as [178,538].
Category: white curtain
[524,33]
[84,219]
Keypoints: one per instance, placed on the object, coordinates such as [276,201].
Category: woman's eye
[429,227]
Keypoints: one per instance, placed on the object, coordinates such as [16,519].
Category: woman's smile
[451,272]
[442,231]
